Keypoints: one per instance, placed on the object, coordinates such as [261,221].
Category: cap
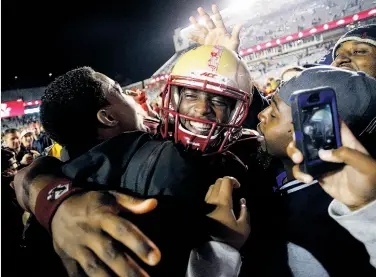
[26,131]
[355,94]
[366,34]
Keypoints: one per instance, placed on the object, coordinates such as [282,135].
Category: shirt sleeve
[214,259]
[361,224]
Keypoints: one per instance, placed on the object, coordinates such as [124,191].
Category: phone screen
[318,130]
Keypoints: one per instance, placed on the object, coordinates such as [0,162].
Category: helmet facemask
[213,136]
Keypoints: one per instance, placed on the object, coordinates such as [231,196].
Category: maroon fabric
[50,198]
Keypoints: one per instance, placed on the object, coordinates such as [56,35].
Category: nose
[341,59]
[202,107]
[262,116]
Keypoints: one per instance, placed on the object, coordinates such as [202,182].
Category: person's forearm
[29,181]
[360,223]
[214,259]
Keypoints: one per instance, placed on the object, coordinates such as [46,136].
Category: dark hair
[70,105]
[11,131]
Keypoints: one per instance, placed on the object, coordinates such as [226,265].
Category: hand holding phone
[355,184]
[316,126]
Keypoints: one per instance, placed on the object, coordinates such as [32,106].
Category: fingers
[244,218]
[349,140]
[225,191]
[193,21]
[208,21]
[235,34]
[199,32]
[103,246]
[215,191]
[208,194]
[131,237]
[221,192]
[73,268]
[299,175]
[294,153]
[137,206]
[218,21]
[361,162]
[90,263]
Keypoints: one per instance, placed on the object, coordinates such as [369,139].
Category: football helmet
[215,71]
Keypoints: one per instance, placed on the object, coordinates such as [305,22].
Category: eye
[272,115]
[190,96]
[360,52]
[219,101]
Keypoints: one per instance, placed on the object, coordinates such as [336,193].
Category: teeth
[201,126]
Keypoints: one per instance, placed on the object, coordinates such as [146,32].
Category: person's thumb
[244,218]
[135,205]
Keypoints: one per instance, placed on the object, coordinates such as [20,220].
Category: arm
[353,187]
[214,259]
[29,181]
[85,224]
[220,257]
[360,223]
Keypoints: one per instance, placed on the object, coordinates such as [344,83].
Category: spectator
[12,140]
[41,141]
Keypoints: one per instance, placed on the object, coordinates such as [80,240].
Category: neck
[288,165]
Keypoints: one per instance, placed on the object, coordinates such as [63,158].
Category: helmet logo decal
[215,57]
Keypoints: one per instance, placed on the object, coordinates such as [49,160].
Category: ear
[105,117]
[291,130]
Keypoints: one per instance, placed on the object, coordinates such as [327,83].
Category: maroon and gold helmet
[219,73]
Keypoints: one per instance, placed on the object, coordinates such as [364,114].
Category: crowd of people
[294,17]
[208,184]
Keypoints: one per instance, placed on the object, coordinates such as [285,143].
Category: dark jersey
[148,167]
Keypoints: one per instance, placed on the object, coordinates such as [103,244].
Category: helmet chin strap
[194,141]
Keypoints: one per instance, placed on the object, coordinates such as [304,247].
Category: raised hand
[214,32]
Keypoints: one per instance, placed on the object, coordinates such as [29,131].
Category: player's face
[276,126]
[204,105]
[356,56]
[128,114]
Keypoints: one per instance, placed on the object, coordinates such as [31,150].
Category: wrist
[51,197]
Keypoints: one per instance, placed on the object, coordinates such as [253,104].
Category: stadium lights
[33,110]
[340,22]
[237,6]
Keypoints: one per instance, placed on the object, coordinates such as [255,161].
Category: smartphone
[316,126]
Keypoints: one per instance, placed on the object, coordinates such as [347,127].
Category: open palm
[214,32]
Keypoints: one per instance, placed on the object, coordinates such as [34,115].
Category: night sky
[126,39]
